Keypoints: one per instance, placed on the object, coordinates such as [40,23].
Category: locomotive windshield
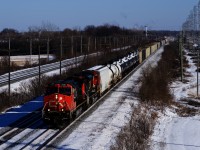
[65,91]
[62,90]
[51,90]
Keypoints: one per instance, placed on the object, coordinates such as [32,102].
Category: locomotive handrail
[44,106]
[43,109]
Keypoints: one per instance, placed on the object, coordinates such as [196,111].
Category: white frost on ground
[173,132]
[176,133]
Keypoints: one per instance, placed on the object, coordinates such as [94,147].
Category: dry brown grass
[26,92]
[185,111]
[154,88]
[135,135]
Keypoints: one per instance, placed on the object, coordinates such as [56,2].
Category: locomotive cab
[93,79]
[59,100]
[63,99]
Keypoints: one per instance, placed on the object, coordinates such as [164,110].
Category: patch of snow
[176,133]
[179,133]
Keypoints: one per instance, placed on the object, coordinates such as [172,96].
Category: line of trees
[48,36]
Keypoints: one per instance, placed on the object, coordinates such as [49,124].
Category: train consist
[64,100]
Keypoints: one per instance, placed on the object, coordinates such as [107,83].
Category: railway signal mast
[196,48]
[146,30]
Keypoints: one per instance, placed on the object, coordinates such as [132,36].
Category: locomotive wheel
[71,116]
[99,95]
[56,123]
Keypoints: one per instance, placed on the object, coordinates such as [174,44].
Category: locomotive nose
[55,102]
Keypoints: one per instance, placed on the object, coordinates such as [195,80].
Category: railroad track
[25,132]
[20,122]
[31,72]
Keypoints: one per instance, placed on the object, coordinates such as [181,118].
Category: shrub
[26,92]
[135,135]
[154,88]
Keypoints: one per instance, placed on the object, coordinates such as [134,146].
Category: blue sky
[156,14]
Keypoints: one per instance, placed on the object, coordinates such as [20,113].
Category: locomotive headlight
[60,98]
[48,109]
[56,96]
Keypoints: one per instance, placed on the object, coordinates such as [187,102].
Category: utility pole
[88,44]
[72,46]
[95,47]
[196,48]
[197,72]
[95,44]
[61,56]
[9,68]
[48,49]
[31,51]
[39,63]
[181,55]
[81,44]
[76,55]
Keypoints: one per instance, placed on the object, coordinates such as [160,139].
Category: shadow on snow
[29,111]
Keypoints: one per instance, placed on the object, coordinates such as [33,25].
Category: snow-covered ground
[173,132]
[176,133]
[98,131]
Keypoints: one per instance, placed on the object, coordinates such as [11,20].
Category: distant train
[66,99]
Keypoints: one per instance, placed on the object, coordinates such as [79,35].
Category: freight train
[66,99]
